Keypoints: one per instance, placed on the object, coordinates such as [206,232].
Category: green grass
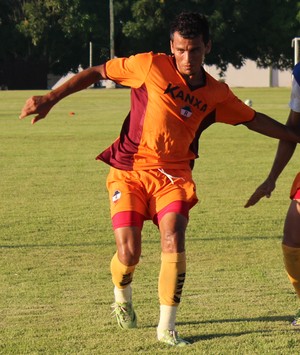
[56,240]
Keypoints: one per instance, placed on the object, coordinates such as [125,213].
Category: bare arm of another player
[41,105]
[283,155]
[267,126]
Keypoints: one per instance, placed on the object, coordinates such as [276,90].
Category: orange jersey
[167,116]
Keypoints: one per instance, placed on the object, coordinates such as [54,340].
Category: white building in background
[249,75]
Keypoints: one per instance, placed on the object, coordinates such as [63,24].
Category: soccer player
[291,232]
[173,100]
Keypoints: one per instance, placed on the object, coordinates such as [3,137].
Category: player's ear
[208,47]
[171,46]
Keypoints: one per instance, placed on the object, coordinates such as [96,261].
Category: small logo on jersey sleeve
[186,112]
[116,196]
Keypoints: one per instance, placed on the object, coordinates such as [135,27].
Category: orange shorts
[295,190]
[136,196]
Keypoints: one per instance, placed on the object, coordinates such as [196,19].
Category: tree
[12,44]
[261,31]
[60,30]
[52,36]
[258,30]
[49,36]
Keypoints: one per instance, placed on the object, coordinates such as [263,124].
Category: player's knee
[291,237]
[129,245]
[291,241]
[291,230]
[129,256]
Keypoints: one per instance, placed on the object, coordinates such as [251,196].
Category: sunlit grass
[56,240]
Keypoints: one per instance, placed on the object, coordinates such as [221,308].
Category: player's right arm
[283,155]
[41,105]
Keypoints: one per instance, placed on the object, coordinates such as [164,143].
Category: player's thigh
[291,235]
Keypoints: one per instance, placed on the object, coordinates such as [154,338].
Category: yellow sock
[291,257]
[121,274]
[171,278]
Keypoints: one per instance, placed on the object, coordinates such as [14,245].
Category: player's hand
[264,190]
[38,105]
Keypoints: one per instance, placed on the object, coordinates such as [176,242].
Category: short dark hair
[190,25]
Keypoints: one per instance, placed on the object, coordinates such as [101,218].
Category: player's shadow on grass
[234,238]
[272,319]
[195,339]
[239,320]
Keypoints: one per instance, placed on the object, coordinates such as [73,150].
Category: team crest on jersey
[186,112]
[116,196]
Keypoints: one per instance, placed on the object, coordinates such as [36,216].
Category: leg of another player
[172,275]
[291,248]
[123,263]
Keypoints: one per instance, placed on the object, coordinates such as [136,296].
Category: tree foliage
[258,30]
[56,33]
[60,30]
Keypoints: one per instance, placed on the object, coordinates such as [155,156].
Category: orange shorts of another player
[136,196]
[295,190]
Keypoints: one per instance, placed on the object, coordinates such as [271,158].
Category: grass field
[56,240]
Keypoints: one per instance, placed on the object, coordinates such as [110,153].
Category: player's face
[189,54]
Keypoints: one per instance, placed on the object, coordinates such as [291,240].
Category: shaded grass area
[56,240]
